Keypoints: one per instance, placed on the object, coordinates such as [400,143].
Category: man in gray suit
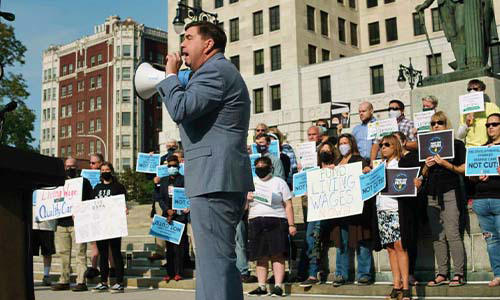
[213,112]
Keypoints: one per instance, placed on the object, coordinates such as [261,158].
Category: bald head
[313,134]
[365,112]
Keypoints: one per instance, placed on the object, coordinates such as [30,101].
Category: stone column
[474,34]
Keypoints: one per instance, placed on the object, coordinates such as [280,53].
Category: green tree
[139,188]
[19,123]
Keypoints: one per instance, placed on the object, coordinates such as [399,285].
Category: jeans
[309,258]
[488,214]
[364,255]
[241,247]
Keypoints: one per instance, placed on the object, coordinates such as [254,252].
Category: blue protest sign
[274,148]
[181,169]
[299,184]
[179,199]
[168,232]
[482,160]
[162,171]
[253,158]
[94,176]
[33,198]
[373,182]
[147,163]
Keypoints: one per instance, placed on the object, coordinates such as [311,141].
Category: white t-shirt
[384,202]
[281,193]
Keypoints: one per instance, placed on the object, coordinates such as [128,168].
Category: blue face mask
[262,148]
[172,171]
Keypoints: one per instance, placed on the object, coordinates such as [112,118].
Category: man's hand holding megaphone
[174,63]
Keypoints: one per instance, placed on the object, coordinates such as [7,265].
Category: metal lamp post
[411,74]
[195,14]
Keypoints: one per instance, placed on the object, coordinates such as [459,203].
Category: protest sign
[400,182]
[373,182]
[307,155]
[253,158]
[300,182]
[437,142]
[94,176]
[377,162]
[169,232]
[179,199]
[55,203]
[274,148]
[379,129]
[147,163]
[334,193]
[162,171]
[482,160]
[100,219]
[181,169]
[422,120]
[471,102]
[340,114]
[263,194]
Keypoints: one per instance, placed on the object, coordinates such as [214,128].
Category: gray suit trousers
[214,218]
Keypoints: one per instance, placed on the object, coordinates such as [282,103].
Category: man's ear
[209,46]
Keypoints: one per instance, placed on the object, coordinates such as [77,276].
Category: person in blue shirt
[360,132]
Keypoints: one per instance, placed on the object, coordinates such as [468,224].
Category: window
[389,1]
[53,131]
[236,61]
[117,142]
[495,58]
[53,113]
[126,95]
[197,3]
[118,53]
[126,141]
[324,23]
[371,3]
[436,21]
[92,82]
[99,81]
[377,79]
[81,106]
[258,100]
[68,150]
[48,94]
[63,152]
[63,91]
[126,73]
[234,30]
[69,110]
[98,104]
[434,64]
[63,131]
[70,69]
[44,95]
[219,3]
[98,147]
[91,126]
[160,58]
[341,30]
[125,118]
[70,89]
[233,1]
[92,107]
[352,3]
[79,127]
[274,18]
[99,58]
[340,2]
[126,50]
[258,23]
[373,33]
[64,70]
[79,149]
[63,111]
[275,58]
[117,74]
[391,29]
[258,61]
[325,89]
[126,163]
[418,26]
[92,61]
[310,18]
[311,52]
[354,34]
[69,131]
[44,75]
[98,125]
[53,93]
[276,97]
[91,147]
[117,119]
[325,55]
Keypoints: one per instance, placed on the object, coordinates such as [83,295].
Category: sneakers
[338,281]
[248,278]
[277,292]
[81,287]
[91,273]
[101,287]
[258,292]
[364,281]
[309,282]
[177,277]
[46,281]
[117,288]
[60,287]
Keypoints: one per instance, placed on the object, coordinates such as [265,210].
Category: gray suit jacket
[213,113]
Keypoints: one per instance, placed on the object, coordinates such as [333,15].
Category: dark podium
[20,173]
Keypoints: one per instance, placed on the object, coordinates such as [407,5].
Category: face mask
[71,173]
[172,171]
[106,176]
[171,149]
[427,108]
[394,114]
[326,156]
[262,148]
[263,172]
[344,149]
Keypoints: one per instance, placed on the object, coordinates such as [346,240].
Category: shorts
[268,236]
[388,226]
[44,240]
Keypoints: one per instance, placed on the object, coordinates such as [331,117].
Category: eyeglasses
[93,163]
[394,108]
[473,89]
[387,145]
[437,123]
[494,124]
[260,130]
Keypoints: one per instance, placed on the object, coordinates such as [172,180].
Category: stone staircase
[142,273]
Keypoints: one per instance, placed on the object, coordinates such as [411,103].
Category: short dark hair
[209,30]
[172,158]
[401,136]
[479,83]
[400,104]
[99,156]
[263,135]
[109,165]
[263,159]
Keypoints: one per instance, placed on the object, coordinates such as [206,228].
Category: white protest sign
[471,102]
[263,194]
[422,120]
[379,129]
[334,193]
[307,154]
[57,202]
[100,219]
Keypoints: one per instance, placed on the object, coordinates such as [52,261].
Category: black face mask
[171,149]
[71,173]
[427,108]
[262,148]
[263,171]
[326,156]
[106,176]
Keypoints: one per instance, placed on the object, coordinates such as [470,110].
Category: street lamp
[411,74]
[100,139]
[195,14]
[7,15]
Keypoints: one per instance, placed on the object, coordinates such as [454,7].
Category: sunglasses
[433,123]
[473,89]
[93,163]
[260,130]
[494,124]
[387,145]
[394,108]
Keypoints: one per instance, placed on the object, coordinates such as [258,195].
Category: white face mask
[344,149]
[394,114]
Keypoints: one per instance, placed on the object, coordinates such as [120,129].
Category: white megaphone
[147,76]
